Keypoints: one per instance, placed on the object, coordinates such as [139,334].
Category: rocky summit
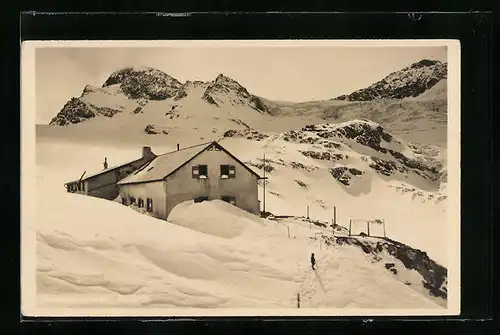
[147,83]
[225,88]
[76,111]
[408,82]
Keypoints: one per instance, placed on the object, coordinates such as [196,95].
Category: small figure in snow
[313,261]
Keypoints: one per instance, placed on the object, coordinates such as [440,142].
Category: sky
[277,73]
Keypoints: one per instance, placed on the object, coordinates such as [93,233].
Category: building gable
[215,146]
[168,164]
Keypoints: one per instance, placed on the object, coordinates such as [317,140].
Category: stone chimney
[146,152]
[177,146]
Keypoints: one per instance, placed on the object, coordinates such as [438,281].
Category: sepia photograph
[253,178]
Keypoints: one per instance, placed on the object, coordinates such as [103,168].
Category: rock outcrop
[147,83]
[408,82]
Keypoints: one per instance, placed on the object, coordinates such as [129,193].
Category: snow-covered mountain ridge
[142,99]
[137,86]
[353,151]
[408,82]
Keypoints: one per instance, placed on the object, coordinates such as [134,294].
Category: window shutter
[195,171]
[232,171]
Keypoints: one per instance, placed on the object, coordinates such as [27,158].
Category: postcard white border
[28,181]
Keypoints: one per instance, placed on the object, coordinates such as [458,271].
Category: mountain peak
[425,62]
[144,82]
[225,88]
[410,81]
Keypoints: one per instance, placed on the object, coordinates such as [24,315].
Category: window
[140,203]
[200,199]
[124,200]
[132,200]
[227,171]
[200,171]
[149,205]
[228,198]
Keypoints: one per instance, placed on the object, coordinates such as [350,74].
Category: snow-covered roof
[95,174]
[166,164]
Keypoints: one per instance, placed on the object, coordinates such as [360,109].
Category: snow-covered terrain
[383,159]
[411,81]
[97,253]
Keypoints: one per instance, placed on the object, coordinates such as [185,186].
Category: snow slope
[93,253]
[413,215]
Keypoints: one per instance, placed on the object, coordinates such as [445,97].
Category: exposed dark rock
[106,111]
[268,168]
[300,166]
[344,174]
[408,82]
[367,248]
[89,89]
[434,275]
[355,172]
[74,111]
[301,183]
[208,98]
[150,129]
[323,155]
[181,93]
[248,133]
[386,168]
[242,123]
[144,83]
[330,144]
[340,174]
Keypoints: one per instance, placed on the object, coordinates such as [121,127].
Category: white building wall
[182,187]
[153,190]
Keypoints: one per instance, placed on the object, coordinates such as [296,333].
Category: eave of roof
[96,174]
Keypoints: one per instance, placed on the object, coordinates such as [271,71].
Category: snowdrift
[215,218]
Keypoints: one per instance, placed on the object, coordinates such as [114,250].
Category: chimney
[105,163]
[146,152]
[177,146]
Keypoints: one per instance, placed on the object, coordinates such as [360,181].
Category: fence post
[350,221]
[288,227]
[383,222]
[335,214]
[298,300]
[308,211]
[368,227]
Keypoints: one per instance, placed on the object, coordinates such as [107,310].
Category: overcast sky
[277,73]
